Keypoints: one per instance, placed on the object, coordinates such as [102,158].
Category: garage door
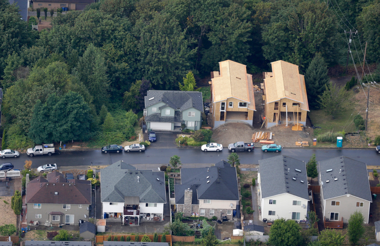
[161,126]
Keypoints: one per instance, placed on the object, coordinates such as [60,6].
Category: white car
[47,167]
[9,153]
[212,147]
[134,148]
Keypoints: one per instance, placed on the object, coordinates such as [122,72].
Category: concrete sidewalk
[255,207]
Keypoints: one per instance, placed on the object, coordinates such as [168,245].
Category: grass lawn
[206,93]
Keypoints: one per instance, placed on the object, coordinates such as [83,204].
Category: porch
[333,224]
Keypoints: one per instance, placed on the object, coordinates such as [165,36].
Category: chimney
[188,202]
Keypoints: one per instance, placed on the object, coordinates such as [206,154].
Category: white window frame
[296,215]
[167,112]
[55,218]
[246,105]
[207,201]
[154,109]
[191,123]
[37,206]
[296,203]
[229,212]
[271,213]
[202,212]
[38,216]
[359,204]
[66,206]
[191,114]
[222,110]
[335,205]
[212,212]
[272,202]
[232,104]
[334,216]
[80,206]
[152,205]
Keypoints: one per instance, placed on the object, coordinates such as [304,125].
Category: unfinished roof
[55,189]
[212,183]
[120,181]
[285,82]
[283,174]
[233,82]
[342,176]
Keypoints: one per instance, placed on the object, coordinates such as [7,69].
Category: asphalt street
[188,156]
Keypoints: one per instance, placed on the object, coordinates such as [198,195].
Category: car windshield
[152,135]
[45,166]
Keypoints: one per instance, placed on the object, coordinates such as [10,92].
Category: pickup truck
[378,149]
[44,149]
[241,146]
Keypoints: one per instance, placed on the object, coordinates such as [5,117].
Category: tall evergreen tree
[316,79]
[311,167]
[189,83]
[144,87]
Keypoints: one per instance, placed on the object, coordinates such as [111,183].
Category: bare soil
[41,235]
[7,214]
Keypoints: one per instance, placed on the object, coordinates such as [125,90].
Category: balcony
[131,211]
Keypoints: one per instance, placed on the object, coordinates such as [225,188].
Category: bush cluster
[351,83]
[330,136]
[359,122]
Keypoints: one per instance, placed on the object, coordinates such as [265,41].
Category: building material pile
[262,137]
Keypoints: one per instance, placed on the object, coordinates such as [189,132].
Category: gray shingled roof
[277,175]
[87,226]
[181,100]
[351,175]
[58,243]
[121,180]
[114,243]
[23,8]
[5,243]
[222,186]
[377,226]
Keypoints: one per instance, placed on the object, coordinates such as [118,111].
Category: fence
[333,224]
[314,209]
[102,238]
[375,190]
[184,239]
[11,173]
[315,188]
[14,239]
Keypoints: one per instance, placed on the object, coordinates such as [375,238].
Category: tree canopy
[285,232]
[355,227]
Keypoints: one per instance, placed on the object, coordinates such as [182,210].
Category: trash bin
[314,141]
[339,142]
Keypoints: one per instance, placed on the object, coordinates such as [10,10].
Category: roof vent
[288,169]
[302,181]
[329,170]
[138,179]
[208,169]
[63,184]
[208,181]
[297,170]
[294,178]
[56,193]
[53,183]
[158,179]
[150,99]
[327,181]
[336,179]
[207,177]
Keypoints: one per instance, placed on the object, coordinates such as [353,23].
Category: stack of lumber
[262,136]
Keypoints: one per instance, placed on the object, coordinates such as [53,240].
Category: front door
[69,219]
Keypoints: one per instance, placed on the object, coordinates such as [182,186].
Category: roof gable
[177,100]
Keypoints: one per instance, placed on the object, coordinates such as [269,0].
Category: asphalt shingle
[87,226]
[178,100]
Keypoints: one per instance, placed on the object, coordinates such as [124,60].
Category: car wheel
[41,171]
[16,156]
[105,152]
[378,152]
[140,150]
[265,150]
[218,150]
[49,154]
[205,150]
[127,150]
[276,150]
[117,151]
[31,155]
[233,150]
[3,156]
[249,150]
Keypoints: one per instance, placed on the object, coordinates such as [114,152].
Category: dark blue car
[152,137]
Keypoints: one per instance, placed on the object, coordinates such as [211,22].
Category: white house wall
[153,210]
[114,208]
[218,204]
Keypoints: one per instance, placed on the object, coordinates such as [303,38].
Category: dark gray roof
[254,228]
[87,226]
[351,175]
[277,175]
[119,180]
[23,8]
[58,243]
[222,186]
[5,243]
[112,243]
[178,100]
[377,226]
[373,244]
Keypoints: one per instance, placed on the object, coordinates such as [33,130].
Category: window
[167,112]
[190,123]
[37,205]
[66,206]
[296,202]
[271,212]
[206,201]
[295,216]
[113,203]
[229,212]
[284,104]
[334,216]
[49,4]
[296,104]
[191,114]
[38,216]
[202,212]
[222,106]
[80,206]
[152,205]
[230,104]
[55,218]
[211,212]
[276,106]
[272,201]
[359,204]
[242,104]
[154,109]
[40,4]
[335,203]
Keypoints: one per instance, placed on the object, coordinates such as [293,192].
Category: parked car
[152,137]
[135,148]
[378,149]
[69,176]
[241,146]
[81,177]
[44,149]
[113,148]
[271,148]
[6,166]
[47,167]
[9,153]
[212,147]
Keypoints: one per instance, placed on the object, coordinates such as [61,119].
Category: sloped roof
[377,226]
[180,100]
[222,186]
[120,181]
[115,243]
[41,190]
[58,243]
[254,228]
[277,173]
[87,226]
[285,82]
[233,81]
[352,178]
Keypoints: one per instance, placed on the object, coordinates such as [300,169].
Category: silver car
[9,153]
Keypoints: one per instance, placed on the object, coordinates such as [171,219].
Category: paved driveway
[164,140]
[7,188]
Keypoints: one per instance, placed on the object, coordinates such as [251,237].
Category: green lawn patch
[206,93]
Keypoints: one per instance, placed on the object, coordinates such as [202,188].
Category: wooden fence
[333,224]
[184,239]
[102,238]
[315,188]
[315,210]
[375,190]
[14,239]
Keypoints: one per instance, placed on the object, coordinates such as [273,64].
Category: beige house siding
[218,207]
[271,109]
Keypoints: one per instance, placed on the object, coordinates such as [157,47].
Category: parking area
[164,140]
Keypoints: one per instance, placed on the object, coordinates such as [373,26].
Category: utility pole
[366,118]
[349,49]
[365,52]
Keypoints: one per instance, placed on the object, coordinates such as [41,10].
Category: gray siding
[163,111]
[197,118]
[47,208]
[149,109]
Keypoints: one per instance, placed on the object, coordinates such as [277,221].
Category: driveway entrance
[164,140]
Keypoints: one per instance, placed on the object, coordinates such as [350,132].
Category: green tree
[128,239]
[115,238]
[313,219]
[131,97]
[45,10]
[109,123]
[38,13]
[52,13]
[210,239]
[179,228]
[3,146]
[137,239]
[233,160]
[316,79]
[63,235]
[163,238]
[330,237]
[355,227]
[122,239]
[189,83]
[8,230]
[103,114]
[311,167]
[13,62]
[145,238]
[334,100]
[155,237]
[16,202]
[285,233]
[144,87]
[175,161]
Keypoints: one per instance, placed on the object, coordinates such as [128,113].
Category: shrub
[122,239]
[137,238]
[144,143]
[378,185]
[253,182]
[351,83]
[181,140]
[109,238]
[168,169]
[44,175]
[198,136]
[163,168]
[375,174]
[90,173]
[163,238]
[192,142]
[207,135]
[330,136]
[145,238]
[377,140]
[23,182]
[246,194]
[115,238]
[3,140]
[147,142]
[248,210]
[246,186]
[128,239]
[155,237]
[63,235]
[359,122]
[214,218]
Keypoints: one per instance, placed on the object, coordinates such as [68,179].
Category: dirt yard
[233,132]
[7,214]
[41,235]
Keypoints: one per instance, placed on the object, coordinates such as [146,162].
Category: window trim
[154,109]
[191,114]
[298,203]
[246,105]
[79,205]
[190,123]
[334,216]
[359,203]
[297,215]
[53,216]
[272,202]
[149,205]
[232,104]
[167,111]
[229,211]
[271,213]
[202,212]
[213,212]
[38,206]
[335,205]
[66,206]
